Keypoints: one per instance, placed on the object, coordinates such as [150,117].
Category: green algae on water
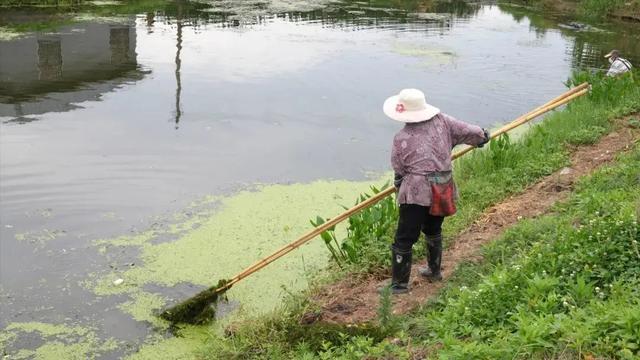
[184,346]
[245,228]
[60,341]
[40,238]
[216,243]
[429,55]
[141,305]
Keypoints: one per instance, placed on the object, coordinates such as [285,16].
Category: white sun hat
[409,106]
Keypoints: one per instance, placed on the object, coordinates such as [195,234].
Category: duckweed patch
[141,307]
[248,226]
[183,346]
[427,55]
[40,238]
[240,230]
[60,341]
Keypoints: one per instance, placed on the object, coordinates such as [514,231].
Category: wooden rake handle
[565,98]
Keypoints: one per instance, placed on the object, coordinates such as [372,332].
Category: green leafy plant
[330,240]
[368,232]
[389,323]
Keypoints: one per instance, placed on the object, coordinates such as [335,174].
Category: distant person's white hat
[613,53]
[409,106]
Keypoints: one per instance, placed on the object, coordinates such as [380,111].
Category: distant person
[618,64]
[421,160]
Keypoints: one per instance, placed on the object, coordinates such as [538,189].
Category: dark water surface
[108,123]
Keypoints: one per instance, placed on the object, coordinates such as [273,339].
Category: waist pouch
[442,193]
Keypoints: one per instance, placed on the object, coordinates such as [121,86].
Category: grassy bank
[490,310]
[23,16]
[562,286]
[589,8]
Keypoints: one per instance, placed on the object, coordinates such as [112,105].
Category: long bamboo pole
[526,117]
[565,98]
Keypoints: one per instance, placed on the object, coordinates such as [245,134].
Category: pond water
[175,146]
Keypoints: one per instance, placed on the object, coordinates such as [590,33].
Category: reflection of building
[49,59]
[50,72]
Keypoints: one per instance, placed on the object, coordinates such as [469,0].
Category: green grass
[507,167]
[590,9]
[538,283]
[562,284]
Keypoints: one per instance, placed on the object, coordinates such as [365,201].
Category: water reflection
[49,59]
[588,43]
[76,58]
[54,72]
[178,61]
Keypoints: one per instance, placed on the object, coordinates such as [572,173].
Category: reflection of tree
[151,19]
[353,14]
[587,44]
[49,59]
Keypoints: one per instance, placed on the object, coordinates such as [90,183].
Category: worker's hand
[397,180]
[487,137]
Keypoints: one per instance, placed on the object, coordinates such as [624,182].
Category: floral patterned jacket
[425,147]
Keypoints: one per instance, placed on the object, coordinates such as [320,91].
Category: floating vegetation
[248,11]
[40,238]
[105,2]
[243,228]
[576,26]
[430,55]
[188,340]
[140,305]
[60,341]
[7,34]
[430,16]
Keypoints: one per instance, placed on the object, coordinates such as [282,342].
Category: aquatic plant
[368,232]
[330,240]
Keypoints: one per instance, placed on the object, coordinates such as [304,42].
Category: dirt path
[356,300]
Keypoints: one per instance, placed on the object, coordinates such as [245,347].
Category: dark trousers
[414,219]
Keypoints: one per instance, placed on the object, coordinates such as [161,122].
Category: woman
[421,160]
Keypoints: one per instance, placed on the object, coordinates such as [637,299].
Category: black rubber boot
[434,256]
[400,270]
